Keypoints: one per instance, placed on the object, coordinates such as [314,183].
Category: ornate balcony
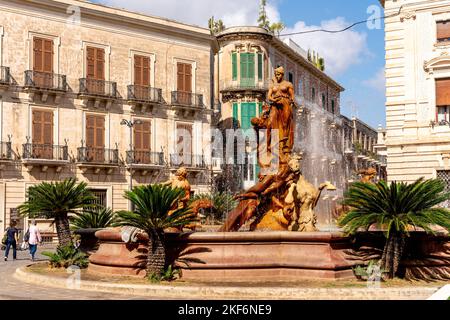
[145,97]
[98,91]
[187,102]
[97,158]
[6,154]
[189,161]
[248,88]
[45,83]
[144,161]
[5,78]
[45,156]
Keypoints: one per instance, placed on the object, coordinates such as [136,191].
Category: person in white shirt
[34,238]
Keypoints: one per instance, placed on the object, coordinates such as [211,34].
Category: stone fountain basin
[240,256]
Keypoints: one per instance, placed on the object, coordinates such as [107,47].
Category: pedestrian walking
[34,237]
[11,240]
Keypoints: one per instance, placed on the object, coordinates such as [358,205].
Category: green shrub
[66,256]
[98,218]
[169,274]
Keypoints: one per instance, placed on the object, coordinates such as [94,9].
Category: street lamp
[130,124]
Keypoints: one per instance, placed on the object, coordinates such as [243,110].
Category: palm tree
[57,201]
[395,208]
[153,213]
[97,218]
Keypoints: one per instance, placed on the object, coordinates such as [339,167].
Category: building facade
[418,89]
[103,95]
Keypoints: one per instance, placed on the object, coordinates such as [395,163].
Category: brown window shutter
[138,70]
[37,51]
[138,137]
[100,132]
[48,56]
[443,92]
[47,132]
[146,71]
[146,134]
[188,77]
[184,77]
[100,61]
[90,62]
[37,127]
[443,30]
[180,77]
[90,131]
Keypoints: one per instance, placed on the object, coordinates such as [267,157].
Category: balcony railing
[98,155]
[45,152]
[100,88]
[244,85]
[5,151]
[5,77]
[145,157]
[45,80]
[187,99]
[187,160]
[144,94]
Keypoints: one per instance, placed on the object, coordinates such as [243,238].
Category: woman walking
[11,240]
[34,238]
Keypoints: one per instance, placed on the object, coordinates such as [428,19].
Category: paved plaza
[13,289]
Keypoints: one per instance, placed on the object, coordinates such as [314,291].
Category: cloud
[340,50]
[377,82]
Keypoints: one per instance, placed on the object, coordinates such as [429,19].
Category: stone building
[73,73]
[418,89]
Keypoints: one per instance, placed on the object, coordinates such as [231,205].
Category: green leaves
[397,206]
[98,218]
[152,205]
[59,198]
[66,256]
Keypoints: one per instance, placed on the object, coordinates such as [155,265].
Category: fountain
[284,241]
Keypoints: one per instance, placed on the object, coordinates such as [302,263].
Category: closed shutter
[141,77]
[260,66]
[248,112]
[142,145]
[43,62]
[443,31]
[184,83]
[443,92]
[234,66]
[95,73]
[42,134]
[235,111]
[95,137]
[247,69]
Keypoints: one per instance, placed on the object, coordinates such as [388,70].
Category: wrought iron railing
[145,94]
[98,155]
[187,160]
[98,87]
[45,152]
[244,84]
[45,80]
[5,151]
[145,157]
[5,76]
[187,99]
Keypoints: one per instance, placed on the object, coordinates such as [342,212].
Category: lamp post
[130,124]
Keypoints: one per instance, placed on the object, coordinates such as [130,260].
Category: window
[234,66]
[290,77]
[333,108]
[184,82]
[444,175]
[247,69]
[324,101]
[95,73]
[443,31]
[42,134]
[142,142]
[141,77]
[42,62]
[101,196]
[260,66]
[184,143]
[313,94]
[248,112]
[95,138]
[442,99]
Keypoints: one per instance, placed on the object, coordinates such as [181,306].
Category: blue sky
[354,58]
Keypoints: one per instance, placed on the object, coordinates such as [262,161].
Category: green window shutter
[260,108]
[248,112]
[247,69]
[244,70]
[235,111]
[234,65]
[260,66]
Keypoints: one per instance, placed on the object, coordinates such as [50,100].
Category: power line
[349,27]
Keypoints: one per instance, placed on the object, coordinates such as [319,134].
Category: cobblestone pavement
[13,289]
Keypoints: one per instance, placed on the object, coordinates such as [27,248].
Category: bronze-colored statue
[283,199]
[180,181]
[368,175]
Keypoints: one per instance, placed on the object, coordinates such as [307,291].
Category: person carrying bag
[11,240]
[34,237]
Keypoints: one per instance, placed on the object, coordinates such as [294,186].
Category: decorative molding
[441,62]
[407,15]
